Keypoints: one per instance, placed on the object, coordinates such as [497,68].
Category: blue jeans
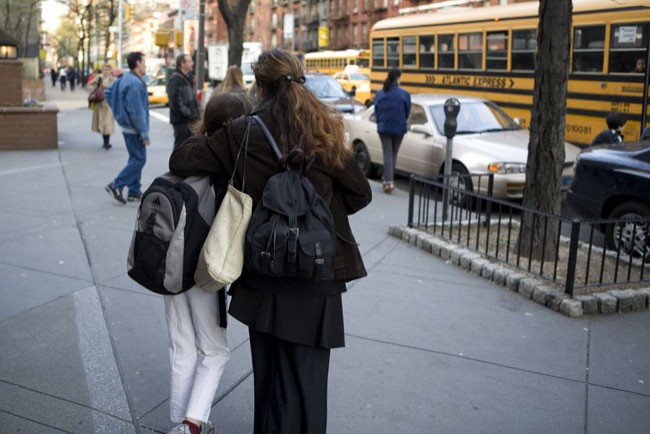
[390,146]
[132,172]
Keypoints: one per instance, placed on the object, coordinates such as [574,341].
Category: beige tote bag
[222,256]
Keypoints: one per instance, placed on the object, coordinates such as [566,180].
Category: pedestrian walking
[53,75]
[198,348]
[293,323]
[103,122]
[129,101]
[392,109]
[183,103]
[613,134]
[72,77]
[63,78]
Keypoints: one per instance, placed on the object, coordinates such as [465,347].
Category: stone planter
[24,128]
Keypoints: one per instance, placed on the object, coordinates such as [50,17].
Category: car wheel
[630,237]
[362,157]
[461,181]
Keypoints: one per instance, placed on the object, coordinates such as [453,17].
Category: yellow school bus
[490,52]
[331,62]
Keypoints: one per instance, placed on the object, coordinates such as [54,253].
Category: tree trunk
[235,19]
[547,123]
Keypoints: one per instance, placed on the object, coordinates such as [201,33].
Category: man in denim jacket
[129,101]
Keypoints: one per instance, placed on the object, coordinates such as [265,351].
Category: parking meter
[451,107]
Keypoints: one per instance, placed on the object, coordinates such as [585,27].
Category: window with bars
[470,51]
[588,49]
[628,48]
[497,51]
[446,51]
[524,46]
[409,55]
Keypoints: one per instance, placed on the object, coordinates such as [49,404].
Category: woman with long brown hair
[233,82]
[293,323]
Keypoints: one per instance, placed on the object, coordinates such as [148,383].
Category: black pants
[182,132]
[290,386]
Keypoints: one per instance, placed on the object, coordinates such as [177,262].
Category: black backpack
[291,232]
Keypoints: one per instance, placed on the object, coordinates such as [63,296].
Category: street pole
[199,53]
[119,36]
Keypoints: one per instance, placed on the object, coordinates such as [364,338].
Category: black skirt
[307,313]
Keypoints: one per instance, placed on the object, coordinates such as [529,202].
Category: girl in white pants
[198,350]
[197,345]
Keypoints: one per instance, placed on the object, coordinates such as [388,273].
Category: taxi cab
[355,81]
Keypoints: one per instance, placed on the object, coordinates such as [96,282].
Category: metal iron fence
[580,258]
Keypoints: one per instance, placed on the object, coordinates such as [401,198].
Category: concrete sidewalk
[430,348]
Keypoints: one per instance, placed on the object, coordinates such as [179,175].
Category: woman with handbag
[103,122]
[293,323]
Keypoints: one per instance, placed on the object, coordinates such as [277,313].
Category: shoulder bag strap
[268,135]
[242,146]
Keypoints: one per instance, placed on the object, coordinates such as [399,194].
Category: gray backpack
[173,222]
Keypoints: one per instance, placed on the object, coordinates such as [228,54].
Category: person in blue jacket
[129,101]
[392,108]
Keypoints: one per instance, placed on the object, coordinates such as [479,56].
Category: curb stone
[624,300]
[606,302]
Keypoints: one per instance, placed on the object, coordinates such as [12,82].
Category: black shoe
[117,194]
[107,146]
[134,197]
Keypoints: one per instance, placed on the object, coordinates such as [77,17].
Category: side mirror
[353,91]
[422,129]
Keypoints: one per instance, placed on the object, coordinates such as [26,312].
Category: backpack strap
[268,135]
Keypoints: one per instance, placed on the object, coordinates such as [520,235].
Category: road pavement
[429,348]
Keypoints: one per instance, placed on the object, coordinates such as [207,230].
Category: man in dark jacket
[183,104]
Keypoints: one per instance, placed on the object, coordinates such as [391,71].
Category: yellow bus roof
[329,54]
[517,10]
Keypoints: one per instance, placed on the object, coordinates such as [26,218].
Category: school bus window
[427,51]
[497,51]
[470,51]
[409,45]
[524,44]
[392,52]
[445,51]
[588,49]
[378,57]
[628,44]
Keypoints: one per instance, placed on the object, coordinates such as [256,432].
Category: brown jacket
[345,190]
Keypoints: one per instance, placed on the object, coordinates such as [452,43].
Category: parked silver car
[487,140]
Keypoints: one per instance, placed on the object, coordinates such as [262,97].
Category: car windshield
[325,86]
[476,117]
[159,81]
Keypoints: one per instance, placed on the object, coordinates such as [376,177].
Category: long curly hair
[302,120]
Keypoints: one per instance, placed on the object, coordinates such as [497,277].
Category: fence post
[573,255]
[411,200]
[488,210]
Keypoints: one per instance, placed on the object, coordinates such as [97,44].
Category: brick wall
[28,128]
[11,89]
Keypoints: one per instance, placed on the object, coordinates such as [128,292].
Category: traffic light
[128,12]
